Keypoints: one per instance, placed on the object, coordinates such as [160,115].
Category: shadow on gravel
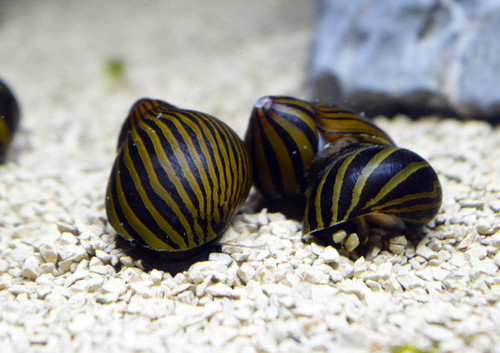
[171,262]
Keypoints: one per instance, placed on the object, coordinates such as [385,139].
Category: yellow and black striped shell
[335,123]
[344,170]
[282,142]
[179,177]
[9,119]
[368,187]
[286,134]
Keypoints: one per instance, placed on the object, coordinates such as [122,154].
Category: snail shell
[368,189]
[335,123]
[286,134]
[9,119]
[345,170]
[282,142]
[178,179]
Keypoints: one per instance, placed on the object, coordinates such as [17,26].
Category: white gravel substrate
[66,286]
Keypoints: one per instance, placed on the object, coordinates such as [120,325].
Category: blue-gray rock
[412,56]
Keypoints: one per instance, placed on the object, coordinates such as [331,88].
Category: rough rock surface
[421,56]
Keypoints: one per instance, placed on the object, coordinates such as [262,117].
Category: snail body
[178,179]
[366,187]
[9,119]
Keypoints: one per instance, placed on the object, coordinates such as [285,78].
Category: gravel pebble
[48,252]
[329,255]
[351,242]
[31,267]
[221,290]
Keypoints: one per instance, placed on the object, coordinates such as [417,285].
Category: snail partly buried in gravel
[9,119]
[338,166]
[178,179]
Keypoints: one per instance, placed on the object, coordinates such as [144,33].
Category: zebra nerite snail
[178,179]
[369,188]
[347,170]
[9,119]
[282,140]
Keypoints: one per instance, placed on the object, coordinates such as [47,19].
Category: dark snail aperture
[179,178]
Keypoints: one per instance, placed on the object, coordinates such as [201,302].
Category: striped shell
[282,142]
[286,134]
[9,119]
[371,188]
[336,123]
[179,177]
